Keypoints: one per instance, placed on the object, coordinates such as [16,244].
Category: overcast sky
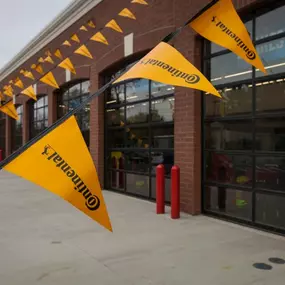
[22,20]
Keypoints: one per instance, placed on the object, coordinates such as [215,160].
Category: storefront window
[38,115]
[3,134]
[70,98]
[139,135]
[17,130]
[244,132]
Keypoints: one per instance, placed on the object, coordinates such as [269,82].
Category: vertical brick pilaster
[26,126]
[8,137]
[52,112]
[97,126]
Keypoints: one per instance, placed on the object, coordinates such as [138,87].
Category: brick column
[8,137]
[26,126]
[52,107]
[187,127]
[97,126]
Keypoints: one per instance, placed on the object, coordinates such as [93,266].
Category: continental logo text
[92,201]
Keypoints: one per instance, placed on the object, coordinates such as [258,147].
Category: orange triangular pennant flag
[11,81]
[49,80]
[1,95]
[10,110]
[127,13]
[83,50]
[91,24]
[67,64]
[30,92]
[39,69]
[75,38]
[22,71]
[41,60]
[98,37]
[19,83]
[48,53]
[143,2]
[29,74]
[66,43]
[83,28]
[49,59]
[58,54]
[8,91]
[114,25]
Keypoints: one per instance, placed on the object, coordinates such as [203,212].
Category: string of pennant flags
[47,77]
[48,159]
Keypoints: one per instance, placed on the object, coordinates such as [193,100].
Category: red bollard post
[175,192]
[160,189]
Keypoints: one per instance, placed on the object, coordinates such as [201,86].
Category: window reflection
[231,135]
[137,161]
[116,95]
[270,172]
[72,97]
[163,137]
[228,169]
[162,110]
[272,55]
[162,157]
[39,115]
[270,24]
[138,184]
[276,100]
[160,89]
[229,68]
[236,101]
[137,90]
[137,137]
[232,202]
[270,134]
[270,210]
[116,117]
[137,113]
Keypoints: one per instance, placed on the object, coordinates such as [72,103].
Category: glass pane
[229,169]
[270,210]
[137,137]
[116,160]
[270,24]
[65,95]
[270,96]
[40,102]
[163,136]
[116,95]
[229,201]
[85,87]
[216,48]
[273,57]
[138,113]
[138,184]
[229,68]
[74,103]
[40,115]
[162,110]
[167,189]
[137,161]
[116,117]
[160,89]
[115,180]
[270,172]
[232,135]
[115,138]
[74,91]
[165,158]
[62,110]
[236,101]
[270,134]
[137,90]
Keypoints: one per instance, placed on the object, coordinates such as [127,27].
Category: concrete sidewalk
[44,240]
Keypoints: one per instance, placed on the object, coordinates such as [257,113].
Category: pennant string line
[54,67]
[62,119]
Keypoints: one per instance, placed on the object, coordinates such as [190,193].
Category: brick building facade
[153,22]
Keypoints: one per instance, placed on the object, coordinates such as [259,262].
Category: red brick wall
[153,23]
